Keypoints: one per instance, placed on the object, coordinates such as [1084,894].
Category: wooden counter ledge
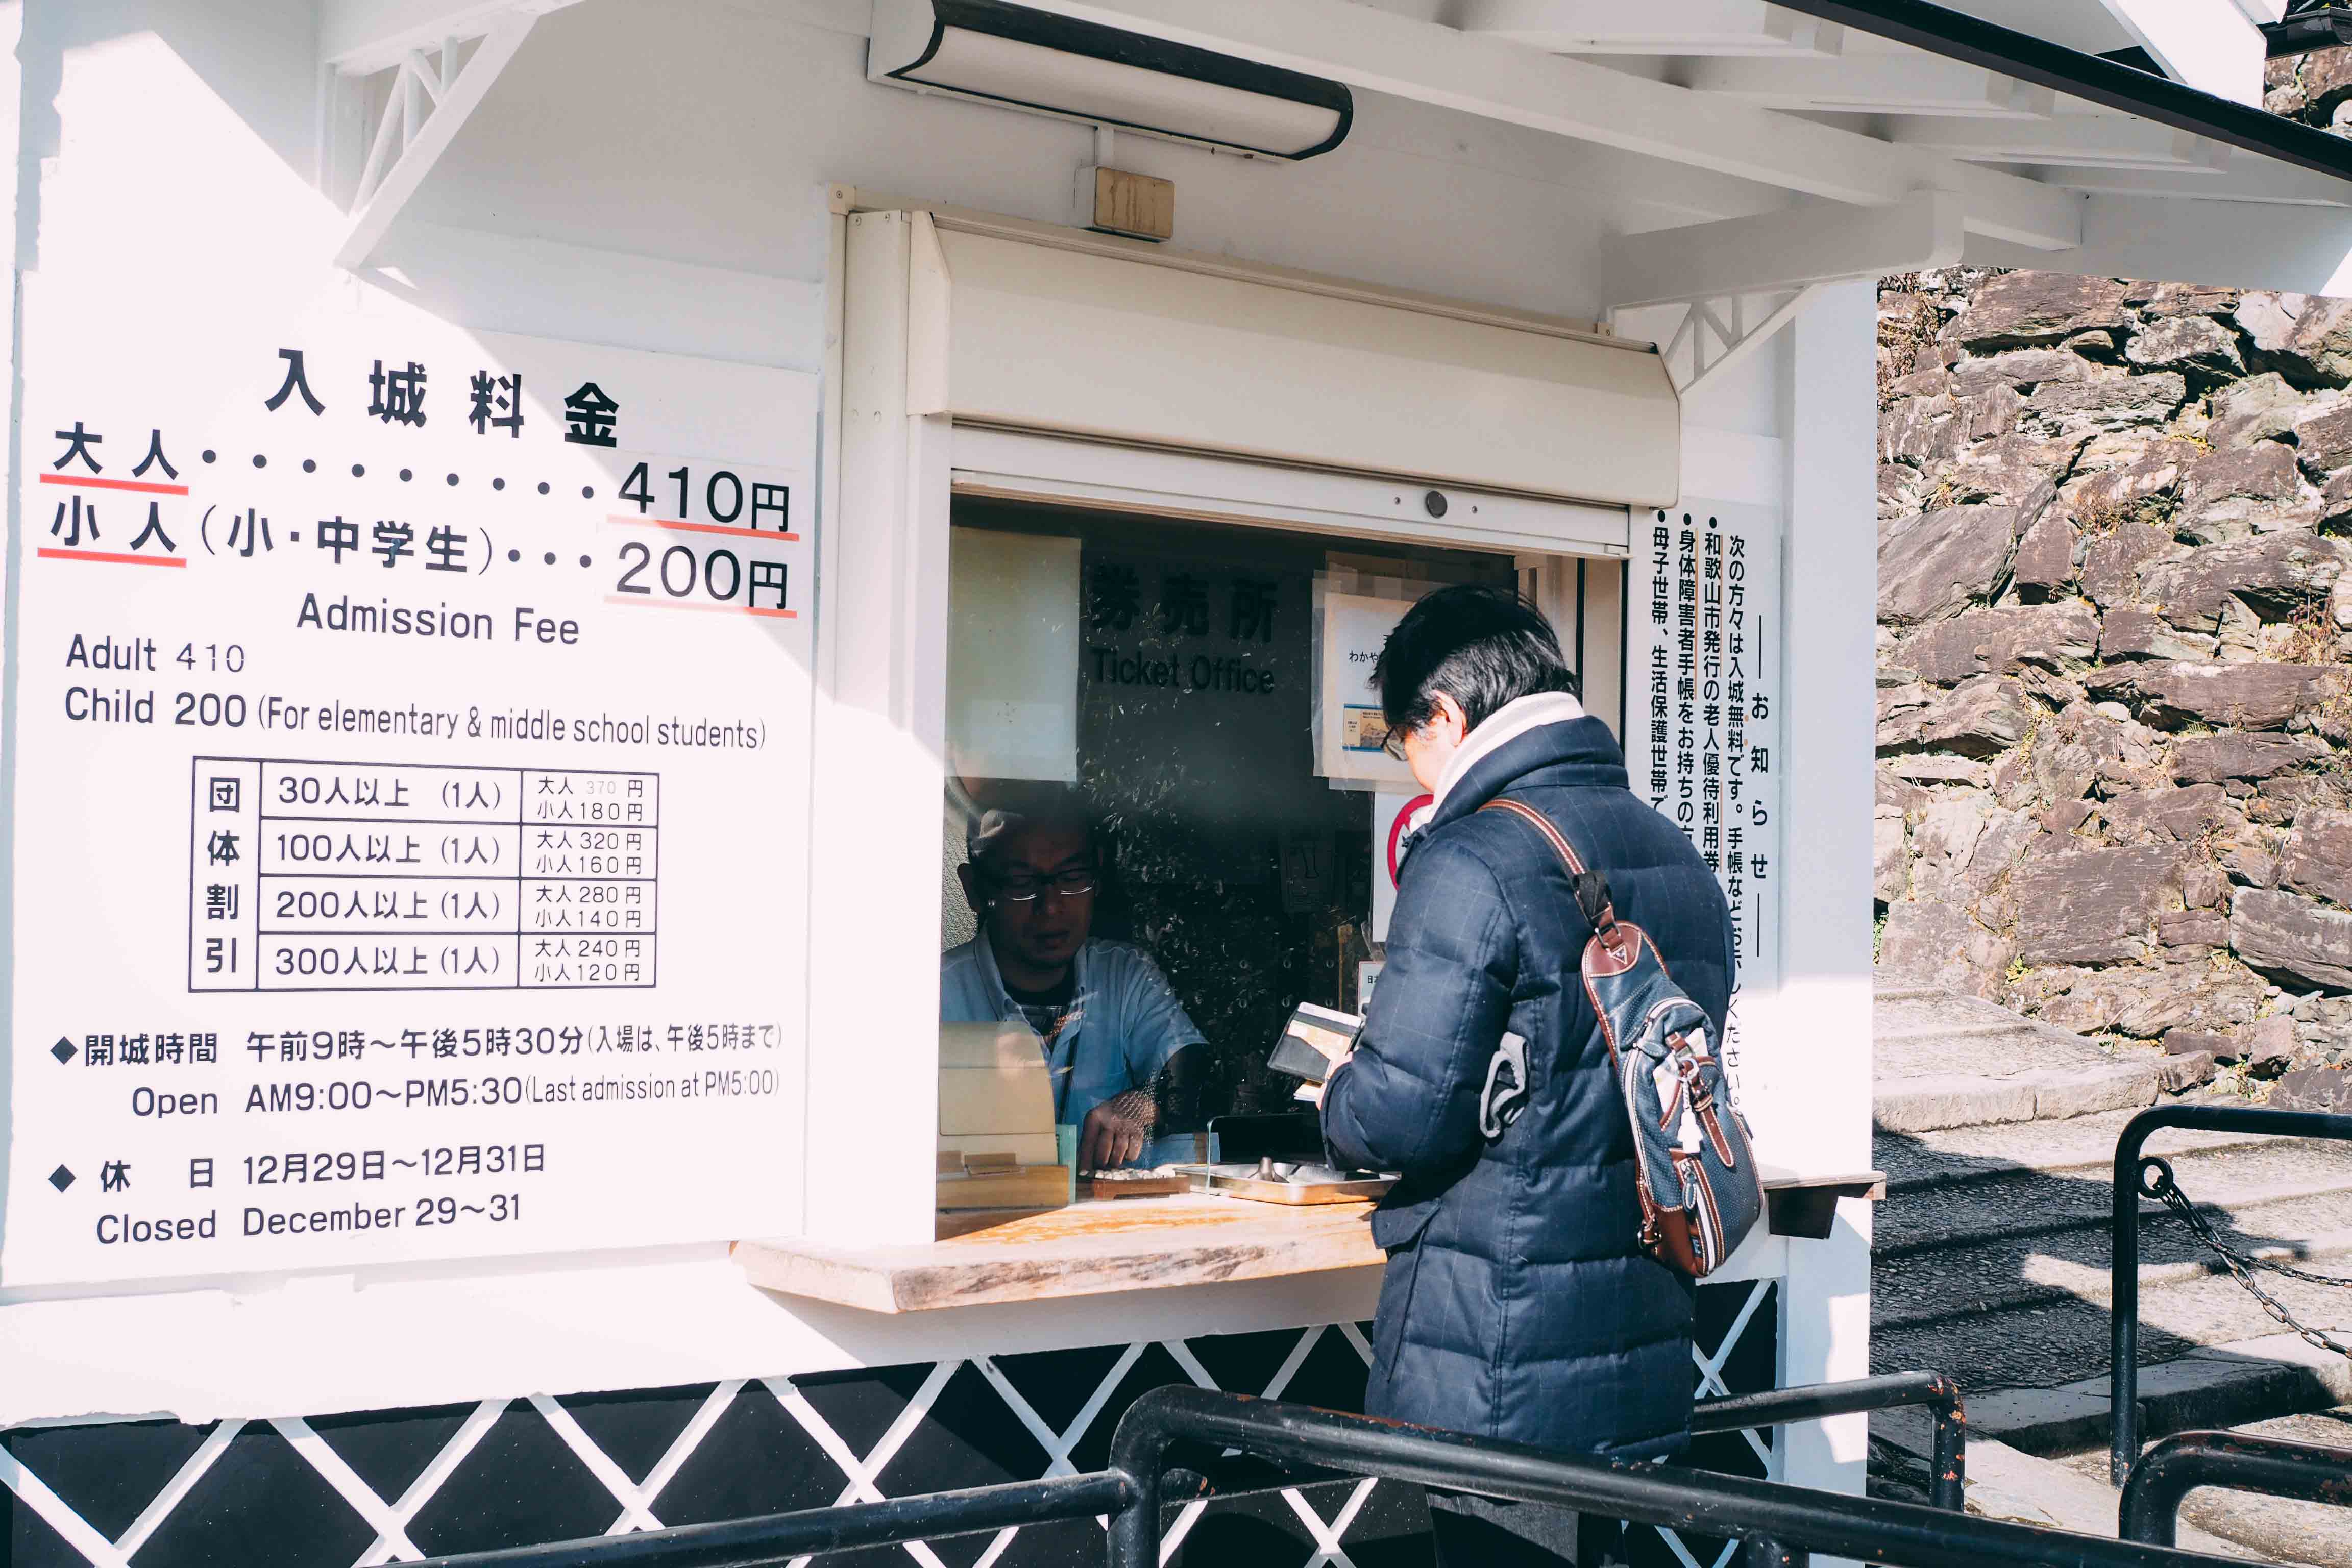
[1085,1249]
[1141,1244]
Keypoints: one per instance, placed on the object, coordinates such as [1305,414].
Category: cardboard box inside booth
[997,1147]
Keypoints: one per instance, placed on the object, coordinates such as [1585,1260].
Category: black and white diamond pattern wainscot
[394,1485]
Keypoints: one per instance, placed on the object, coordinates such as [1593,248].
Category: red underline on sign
[684,527]
[118,560]
[92,482]
[681,605]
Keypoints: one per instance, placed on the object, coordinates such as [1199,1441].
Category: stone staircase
[1998,1136]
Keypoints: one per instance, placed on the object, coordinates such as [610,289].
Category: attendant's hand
[1337,1063]
[1114,1132]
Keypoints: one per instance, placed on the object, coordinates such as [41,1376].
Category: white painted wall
[651,174]
[1823,1008]
[1817,468]
[2297,248]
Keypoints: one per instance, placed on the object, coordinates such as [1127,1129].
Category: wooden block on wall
[1134,204]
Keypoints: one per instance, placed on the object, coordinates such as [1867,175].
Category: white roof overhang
[1862,137]
[1904,134]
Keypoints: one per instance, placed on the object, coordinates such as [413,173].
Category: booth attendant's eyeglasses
[1069,884]
[1393,742]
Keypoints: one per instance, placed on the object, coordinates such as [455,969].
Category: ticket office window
[1163,678]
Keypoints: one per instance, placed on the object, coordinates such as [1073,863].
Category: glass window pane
[1148,690]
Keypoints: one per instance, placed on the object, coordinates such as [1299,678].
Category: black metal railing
[1114,1493]
[2179,1465]
[1780,1525]
[780,1537]
[1816,1401]
[1736,1413]
[2132,1171]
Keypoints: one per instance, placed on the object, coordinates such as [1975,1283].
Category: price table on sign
[329,876]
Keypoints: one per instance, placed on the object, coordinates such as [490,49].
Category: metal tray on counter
[1245,1181]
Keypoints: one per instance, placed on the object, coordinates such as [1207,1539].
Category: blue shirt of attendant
[1123,1024]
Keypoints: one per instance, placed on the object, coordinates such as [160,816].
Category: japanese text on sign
[1702,719]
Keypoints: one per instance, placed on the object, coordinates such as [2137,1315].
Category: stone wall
[2115,655]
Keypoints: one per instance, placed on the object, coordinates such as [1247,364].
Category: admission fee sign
[409,799]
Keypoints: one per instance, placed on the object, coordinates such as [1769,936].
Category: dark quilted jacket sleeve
[1408,1100]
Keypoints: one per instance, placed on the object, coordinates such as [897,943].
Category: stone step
[2280,1529]
[2013,1027]
[1957,1006]
[2007,1483]
[1958,1270]
[1946,1032]
[1941,1059]
[2062,1256]
[2044,1280]
[2061,1339]
[2081,1146]
[2219,1386]
[1930,1103]
[2232,1182]
[1990,1262]
[1990,1037]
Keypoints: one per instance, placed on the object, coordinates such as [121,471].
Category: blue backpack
[1696,1174]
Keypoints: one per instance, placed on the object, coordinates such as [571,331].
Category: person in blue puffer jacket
[1518,1302]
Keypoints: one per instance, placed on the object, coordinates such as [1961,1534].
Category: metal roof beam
[414,132]
[1379,52]
[2248,180]
[1738,348]
[1780,251]
[1612,27]
[360,37]
[1954,35]
[1904,83]
[2108,141]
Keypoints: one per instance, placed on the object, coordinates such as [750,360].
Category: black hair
[1481,645]
[1000,815]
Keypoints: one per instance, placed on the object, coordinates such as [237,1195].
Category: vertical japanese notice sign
[410,799]
[1704,680]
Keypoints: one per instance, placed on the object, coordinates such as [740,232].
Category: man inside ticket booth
[1106,1020]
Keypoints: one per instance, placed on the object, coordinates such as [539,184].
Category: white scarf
[1504,725]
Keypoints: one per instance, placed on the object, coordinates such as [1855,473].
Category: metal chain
[2243,1264]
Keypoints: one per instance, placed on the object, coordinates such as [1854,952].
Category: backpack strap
[1592,888]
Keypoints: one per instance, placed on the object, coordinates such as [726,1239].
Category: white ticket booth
[524,515]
